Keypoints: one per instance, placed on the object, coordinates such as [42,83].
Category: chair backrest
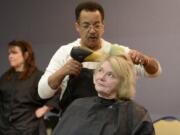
[168,125]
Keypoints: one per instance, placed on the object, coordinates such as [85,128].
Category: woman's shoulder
[136,110]
[37,74]
[3,76]
[39,71]
[132,107]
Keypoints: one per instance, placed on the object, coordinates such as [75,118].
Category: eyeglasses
[88,27]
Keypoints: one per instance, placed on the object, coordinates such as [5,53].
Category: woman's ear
[26,55]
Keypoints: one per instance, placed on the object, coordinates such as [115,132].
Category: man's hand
[138,57]
[150,64]
[72,67]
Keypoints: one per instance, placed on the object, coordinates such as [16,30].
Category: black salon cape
[97,116]
[18,101]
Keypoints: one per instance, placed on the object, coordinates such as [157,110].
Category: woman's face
[106,82]
[16,58]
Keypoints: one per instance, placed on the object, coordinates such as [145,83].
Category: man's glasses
[88,27]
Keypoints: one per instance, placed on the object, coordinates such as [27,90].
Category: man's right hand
[72,67]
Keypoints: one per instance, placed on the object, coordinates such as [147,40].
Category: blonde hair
[124,69]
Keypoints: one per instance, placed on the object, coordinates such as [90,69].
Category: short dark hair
[89,6]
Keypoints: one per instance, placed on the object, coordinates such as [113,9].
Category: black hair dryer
[83,54]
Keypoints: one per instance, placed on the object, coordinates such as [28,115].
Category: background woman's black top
[18,101]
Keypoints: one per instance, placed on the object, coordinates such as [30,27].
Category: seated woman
[113,111]
[21,109]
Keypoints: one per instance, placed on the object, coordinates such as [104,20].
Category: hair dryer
[83,54]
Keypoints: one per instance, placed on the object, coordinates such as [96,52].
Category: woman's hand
[40,112]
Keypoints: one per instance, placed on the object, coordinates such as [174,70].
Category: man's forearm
[151,65]
[56,79]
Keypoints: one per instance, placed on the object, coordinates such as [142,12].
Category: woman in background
[113,111]
[21,109]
